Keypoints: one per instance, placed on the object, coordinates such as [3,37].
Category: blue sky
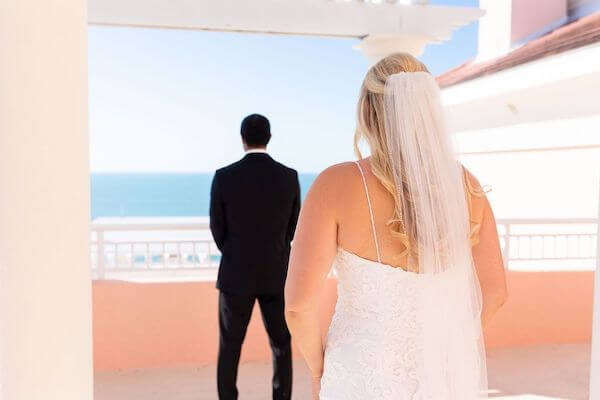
[172,101]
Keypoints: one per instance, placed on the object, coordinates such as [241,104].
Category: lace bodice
[375,336]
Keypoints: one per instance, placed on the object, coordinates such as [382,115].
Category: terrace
[133,308]
[536,378]
[161,276]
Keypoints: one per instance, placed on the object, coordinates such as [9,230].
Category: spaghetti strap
[362,174]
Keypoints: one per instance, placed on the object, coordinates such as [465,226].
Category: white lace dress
[374,343]
[375,338]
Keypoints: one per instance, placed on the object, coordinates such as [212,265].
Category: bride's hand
[316,387]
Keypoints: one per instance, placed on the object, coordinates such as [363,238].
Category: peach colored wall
[144,325]
[544,308]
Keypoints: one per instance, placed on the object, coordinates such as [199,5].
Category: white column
[495,28]
[45,287]
[595,367]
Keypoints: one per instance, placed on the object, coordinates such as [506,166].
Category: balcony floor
[558,372]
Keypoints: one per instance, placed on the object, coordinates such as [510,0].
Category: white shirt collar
[249,151]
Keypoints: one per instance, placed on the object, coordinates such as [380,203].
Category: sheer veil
[429,181]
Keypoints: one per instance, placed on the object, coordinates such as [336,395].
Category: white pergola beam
[292,17]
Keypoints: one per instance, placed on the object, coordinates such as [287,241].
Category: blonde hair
[371,126]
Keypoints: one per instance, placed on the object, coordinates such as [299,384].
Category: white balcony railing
[187,246]
[549,244]
[134,247]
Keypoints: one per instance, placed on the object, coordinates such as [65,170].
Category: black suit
[253,213]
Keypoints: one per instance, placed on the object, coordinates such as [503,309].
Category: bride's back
[355,231]
[355,201]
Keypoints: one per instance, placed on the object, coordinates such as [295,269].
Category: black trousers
[234,315]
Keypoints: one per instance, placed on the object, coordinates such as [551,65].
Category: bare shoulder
[336,174]
[472,181]
[477,194]
[473,185]
[333,183]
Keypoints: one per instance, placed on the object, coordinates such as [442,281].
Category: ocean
[157,194]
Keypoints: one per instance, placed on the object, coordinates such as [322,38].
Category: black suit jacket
[254,209]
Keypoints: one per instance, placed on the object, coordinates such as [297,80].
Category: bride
[414,247]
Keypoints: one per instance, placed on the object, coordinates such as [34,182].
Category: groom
[254,208]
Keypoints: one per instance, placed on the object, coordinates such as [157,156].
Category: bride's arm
[313,251]
[489,265]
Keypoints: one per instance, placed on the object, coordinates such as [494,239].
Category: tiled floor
[531,373]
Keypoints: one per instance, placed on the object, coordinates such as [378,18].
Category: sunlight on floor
[556,372]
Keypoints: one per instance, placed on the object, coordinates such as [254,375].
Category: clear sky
[172,101]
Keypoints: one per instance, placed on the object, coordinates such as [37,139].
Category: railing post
[100,250]
[506,245]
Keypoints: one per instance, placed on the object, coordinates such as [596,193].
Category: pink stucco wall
[145,325]
[533,16]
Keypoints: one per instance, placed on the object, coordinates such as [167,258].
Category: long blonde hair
[371,126]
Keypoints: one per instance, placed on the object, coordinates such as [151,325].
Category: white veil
[430,185]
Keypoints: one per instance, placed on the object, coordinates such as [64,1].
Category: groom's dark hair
[256,130]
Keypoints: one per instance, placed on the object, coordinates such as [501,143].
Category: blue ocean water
[157,195]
